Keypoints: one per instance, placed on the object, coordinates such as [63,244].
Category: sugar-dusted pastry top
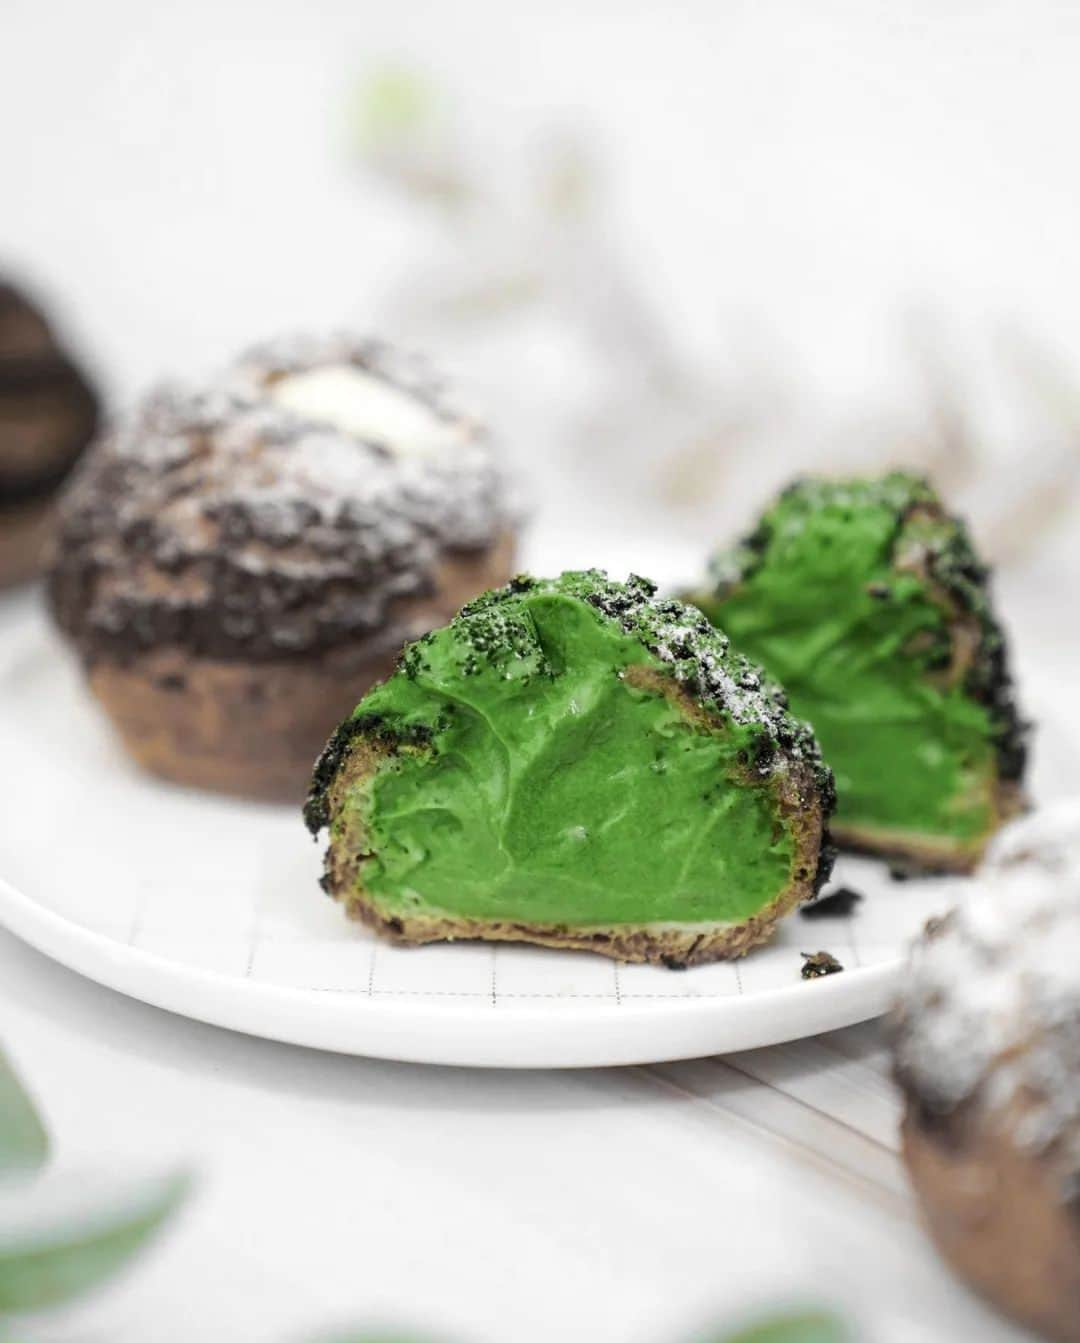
[572,754]
[989,1023]
[284,509]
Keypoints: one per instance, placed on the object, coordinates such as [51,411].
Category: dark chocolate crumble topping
[228,525]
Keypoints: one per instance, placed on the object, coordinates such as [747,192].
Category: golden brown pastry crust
[255,729]
[996,1214]
[927,854]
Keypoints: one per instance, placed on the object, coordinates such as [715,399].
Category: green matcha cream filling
[865,600]
[571,752]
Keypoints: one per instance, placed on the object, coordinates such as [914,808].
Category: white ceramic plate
[210,908]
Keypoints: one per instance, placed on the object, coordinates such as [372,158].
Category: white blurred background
[675,252]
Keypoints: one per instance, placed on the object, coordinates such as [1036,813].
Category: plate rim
[459,1033]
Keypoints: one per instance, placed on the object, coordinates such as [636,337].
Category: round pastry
[867,602]
[988,1056]
[574,763]
[238,566]
[48,414]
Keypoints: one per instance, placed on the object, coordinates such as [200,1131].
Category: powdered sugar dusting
[991,1012]
[233,499]
[702,659]
[253,449]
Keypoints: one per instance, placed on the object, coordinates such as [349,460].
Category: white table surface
[626,1205]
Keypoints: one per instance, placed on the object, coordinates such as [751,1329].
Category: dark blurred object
[48,414]
[838,904]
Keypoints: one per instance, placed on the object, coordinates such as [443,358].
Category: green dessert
[865,599]
[575,763]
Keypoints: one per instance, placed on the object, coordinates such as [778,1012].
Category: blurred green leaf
[399,129]
[391,107]
[69,1253]
[808,1326]
[24,1143]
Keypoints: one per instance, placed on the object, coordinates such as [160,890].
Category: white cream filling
[355,402]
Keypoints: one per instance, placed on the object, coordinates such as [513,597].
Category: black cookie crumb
[838,904]
[816,964]
[670,963]
[317,806]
